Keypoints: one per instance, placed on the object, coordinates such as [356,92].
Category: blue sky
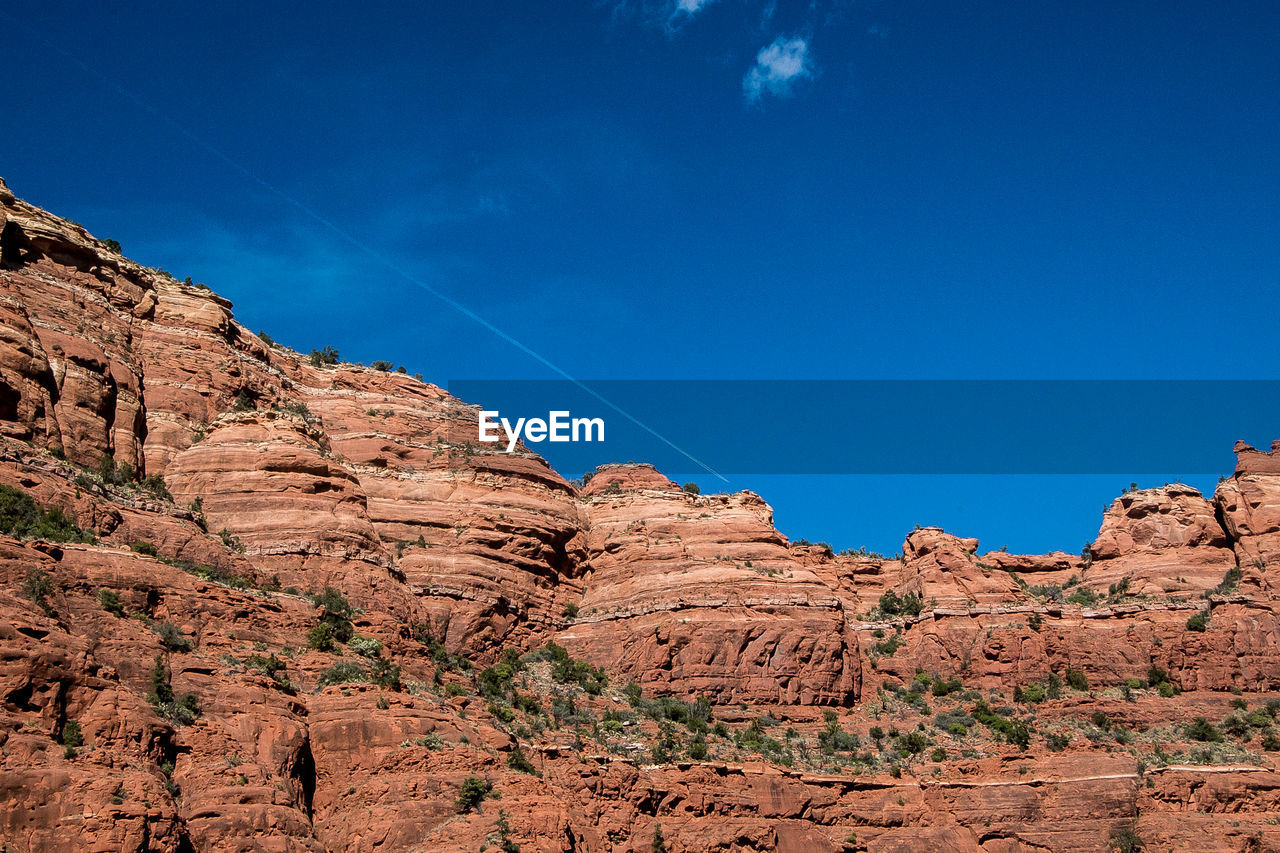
[716,189]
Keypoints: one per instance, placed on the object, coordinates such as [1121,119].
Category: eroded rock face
[1161,540]
[280,477]
[944,570]
[695,594]
[1249,506]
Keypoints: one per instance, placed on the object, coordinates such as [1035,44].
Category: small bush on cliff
[342,672]
[320,638]
[111,245]
[368,647]
[384,366]
[144,548]
[692,488]
[520,763]
[1230,582]
[566,670]
[37,587]
[1083,596]
[1199,622]
[336,612]
[110,601]
[180,710]
[1202,730]
[888,646]
[1077,680]
[71,739]
[22,518]
[323,357]
[171,638]
[1126,840]
[270,665]
[495,682]
[908,605]
[473,792]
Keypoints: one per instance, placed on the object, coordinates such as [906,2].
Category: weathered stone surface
[280,477]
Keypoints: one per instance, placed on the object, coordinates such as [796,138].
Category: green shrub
[180,710]
[109,599]
[271,665]
[111,245]
[940,687]
[336,612]
[632,692]
[320,638]
[342,672]
[384,366]
[385,674]
[1057,741]
[571,611]
[37,588]
[911,743]
[888,646]
[1033,693]
[71,738]
[22,518]
[323,357]
[1084,597]
[495,682]
[1199,622]
[692,489]
[1202,730]
[1126,840]
[171,638]
[144,548]
[1077,680]
[908,605]
[1230,582]
[502,712]
[939,754]
[473,792]
[520,763]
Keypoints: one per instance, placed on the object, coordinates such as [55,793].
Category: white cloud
[691,7]
[778,66]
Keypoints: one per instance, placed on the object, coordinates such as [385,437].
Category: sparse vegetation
[22,518]
[109,599]
[323,357]
[179,710]
[37,587]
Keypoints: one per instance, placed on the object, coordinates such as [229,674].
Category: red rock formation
[372,482]
[1164,540]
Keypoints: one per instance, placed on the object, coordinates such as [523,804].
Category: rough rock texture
[782,699]
[1163,540]
[700,595]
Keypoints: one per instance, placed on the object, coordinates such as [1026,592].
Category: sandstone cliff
[293,606]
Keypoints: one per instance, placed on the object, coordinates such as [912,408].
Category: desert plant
[323,357]
[473,792]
